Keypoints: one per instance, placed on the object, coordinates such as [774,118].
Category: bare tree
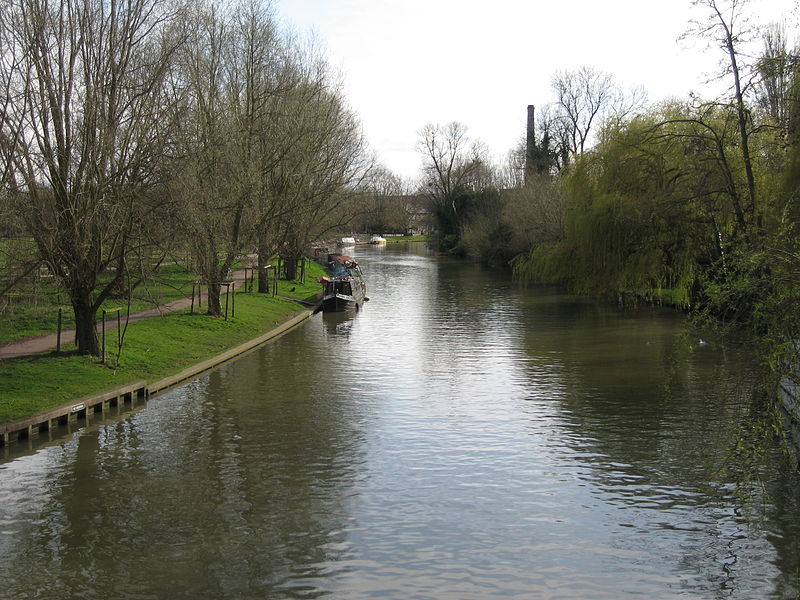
[775,71]
[265,69]
[384,206]
[452,163]
[270,148]
[726,26]
[210,186]
[586,99]
[321,172]
[86,117]
[581,97]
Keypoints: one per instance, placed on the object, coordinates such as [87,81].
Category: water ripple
[460,437]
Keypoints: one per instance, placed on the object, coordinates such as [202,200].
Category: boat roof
[343,260]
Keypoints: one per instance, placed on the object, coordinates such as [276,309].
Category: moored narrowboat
[345,287]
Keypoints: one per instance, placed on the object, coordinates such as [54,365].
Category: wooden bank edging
[73,412]
[78,412]
[198,369]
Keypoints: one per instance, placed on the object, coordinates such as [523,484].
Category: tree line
[135,131]
[688,201]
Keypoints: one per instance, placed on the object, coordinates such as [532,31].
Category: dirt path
[45,343]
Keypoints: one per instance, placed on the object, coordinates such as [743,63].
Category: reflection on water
[460,437]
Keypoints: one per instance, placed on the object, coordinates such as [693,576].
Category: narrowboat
[344,288]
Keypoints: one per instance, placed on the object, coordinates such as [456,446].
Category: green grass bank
[32,309]
[408,238]
[153,349]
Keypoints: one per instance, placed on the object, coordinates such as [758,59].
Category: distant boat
[377,239]
[347,242]
[345,287]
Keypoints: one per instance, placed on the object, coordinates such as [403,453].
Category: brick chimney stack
[530,142]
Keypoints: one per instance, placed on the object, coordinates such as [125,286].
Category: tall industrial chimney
[530,143]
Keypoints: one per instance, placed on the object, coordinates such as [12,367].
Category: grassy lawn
[153,349]
[410,238]
[32,308]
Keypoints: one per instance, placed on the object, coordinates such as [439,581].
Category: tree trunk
[290,268]
[85,329]
[214,305]
[263,275]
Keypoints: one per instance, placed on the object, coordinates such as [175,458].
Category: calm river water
[460,438]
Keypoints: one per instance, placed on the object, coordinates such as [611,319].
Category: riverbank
[391,239]
[153,350]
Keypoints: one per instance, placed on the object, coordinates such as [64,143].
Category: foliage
[628,227]
[384,207]
[84,123]
[454,169]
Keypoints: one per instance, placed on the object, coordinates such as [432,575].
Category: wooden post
[58,333]
[227,295]
[103,351]
[191,311]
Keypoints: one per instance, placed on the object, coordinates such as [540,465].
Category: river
[461,437]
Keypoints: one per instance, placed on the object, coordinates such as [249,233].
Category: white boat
[347,241]
[377,239]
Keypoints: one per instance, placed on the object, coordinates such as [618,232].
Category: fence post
[103,352]
[58,333]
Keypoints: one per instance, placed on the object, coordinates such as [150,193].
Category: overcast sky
[405,63]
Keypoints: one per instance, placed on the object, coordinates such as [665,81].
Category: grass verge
[153,349]
[32,309]
[409,238]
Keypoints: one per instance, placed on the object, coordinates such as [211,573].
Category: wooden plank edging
[76,410]
[139,390]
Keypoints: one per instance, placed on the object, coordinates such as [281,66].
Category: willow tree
[640,218]
[236,69]
[320,171]
[383,207]
[208,190]
[86,118]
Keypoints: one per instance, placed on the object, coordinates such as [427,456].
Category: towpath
[45,343]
